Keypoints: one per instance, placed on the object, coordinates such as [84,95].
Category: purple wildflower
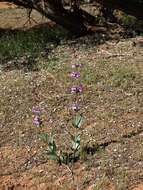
[76,65]
[73,90]
[37,121]
[75,107]
[75,74]
[80,88]
[77,89]
[36,110]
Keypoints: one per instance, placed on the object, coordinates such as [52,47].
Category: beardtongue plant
[78,121]
[52,150]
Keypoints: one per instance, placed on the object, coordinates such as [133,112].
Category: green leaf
[52,144]
[78,121]
[76,143]
[62,157]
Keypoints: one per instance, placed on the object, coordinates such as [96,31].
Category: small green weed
[131,22]
[51,65]
[59,155]
[122,77]
[18,43]
[128,21]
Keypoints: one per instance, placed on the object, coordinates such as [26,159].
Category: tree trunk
[73,21]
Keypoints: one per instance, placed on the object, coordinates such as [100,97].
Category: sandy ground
[6,5]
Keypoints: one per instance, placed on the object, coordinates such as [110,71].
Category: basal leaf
[78,121]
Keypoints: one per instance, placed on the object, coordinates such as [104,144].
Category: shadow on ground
[20,49]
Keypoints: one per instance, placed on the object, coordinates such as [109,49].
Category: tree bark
[75,22]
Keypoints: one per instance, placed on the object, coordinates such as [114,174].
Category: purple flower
[75,107]
[37,121]
[77,89]
[76,65]
[73,90]
[36,110]
[75,74]
[80,88]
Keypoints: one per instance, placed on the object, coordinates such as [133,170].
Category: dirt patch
[7,5]
[138,187]
[17,18]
